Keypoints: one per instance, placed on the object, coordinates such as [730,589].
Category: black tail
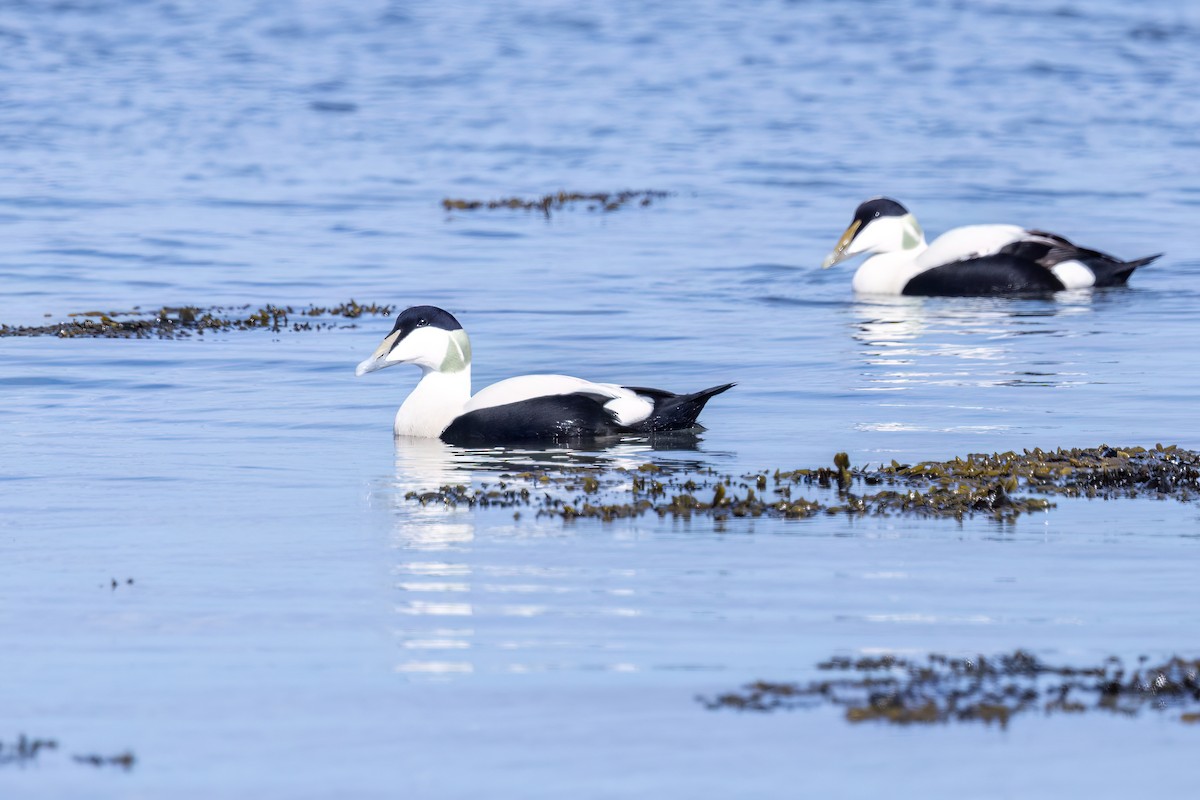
[1113,272]
[675,412]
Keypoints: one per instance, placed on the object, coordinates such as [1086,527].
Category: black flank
[554,418]
[997,274]
[567,418]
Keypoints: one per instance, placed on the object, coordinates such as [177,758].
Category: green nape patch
[170,322]
[942,689]
[596,201]
[1002,486]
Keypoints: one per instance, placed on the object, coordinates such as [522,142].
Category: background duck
[529,408]
[971,260]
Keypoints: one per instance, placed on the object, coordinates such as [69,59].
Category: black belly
[989,275]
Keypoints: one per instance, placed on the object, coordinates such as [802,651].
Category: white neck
[438,398]
[896,244]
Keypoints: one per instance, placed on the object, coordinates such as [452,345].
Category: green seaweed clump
[598,201]
[943,689]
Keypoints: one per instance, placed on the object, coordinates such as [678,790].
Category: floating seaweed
[1102,472]
[171,322]
[943,689]
[597,201]
[25,750]
[1001,486]
[124,760]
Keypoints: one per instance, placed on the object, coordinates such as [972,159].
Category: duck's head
[426,336]
[880,225]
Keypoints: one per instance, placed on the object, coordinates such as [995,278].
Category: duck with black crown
[525,409]
[967,261]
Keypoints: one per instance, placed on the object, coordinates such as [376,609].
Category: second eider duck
[971,260]
[526,409]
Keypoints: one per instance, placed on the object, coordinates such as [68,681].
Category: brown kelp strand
[26,750]
[1102,471]
[176,322]
[1002,486]
[943,689]
[124,760]
[594,201]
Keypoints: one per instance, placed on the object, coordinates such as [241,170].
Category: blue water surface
[297,628]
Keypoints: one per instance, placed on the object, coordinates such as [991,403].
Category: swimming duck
[529,408]
[971,260]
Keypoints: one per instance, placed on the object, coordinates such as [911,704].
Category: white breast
[887,273]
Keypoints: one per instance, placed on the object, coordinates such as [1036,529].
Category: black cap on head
[879,207]
[424,316]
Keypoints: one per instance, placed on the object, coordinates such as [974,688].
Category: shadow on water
[428,464]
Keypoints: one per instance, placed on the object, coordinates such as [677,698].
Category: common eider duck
[971,260]
[526,409]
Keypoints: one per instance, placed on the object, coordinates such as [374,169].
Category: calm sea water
[295,628]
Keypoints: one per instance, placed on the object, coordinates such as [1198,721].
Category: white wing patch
[628,407]
[1074,275]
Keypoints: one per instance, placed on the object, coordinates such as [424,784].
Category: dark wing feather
[674,412]
[1049,249]
[1111,271]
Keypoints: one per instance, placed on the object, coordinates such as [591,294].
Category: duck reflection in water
[931,363]
[458,594]
[910,341]
[425,467]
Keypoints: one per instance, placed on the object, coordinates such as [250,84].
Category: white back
[969,241]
